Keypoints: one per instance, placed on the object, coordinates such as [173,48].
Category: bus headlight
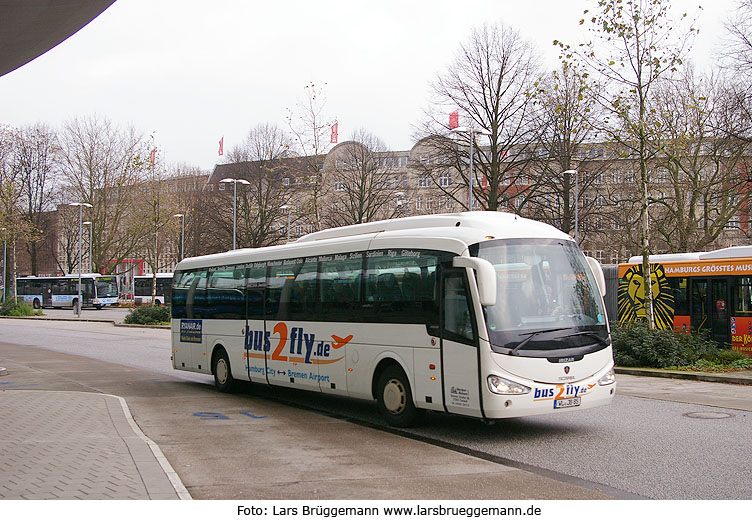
[608,379]
[499,385]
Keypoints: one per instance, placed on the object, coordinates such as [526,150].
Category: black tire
[395,399]
[222,373]
[36,304]
[158,302]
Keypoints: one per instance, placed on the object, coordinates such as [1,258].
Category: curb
[114,323]
[691,376]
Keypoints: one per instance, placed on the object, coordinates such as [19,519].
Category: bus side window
[458,324]
[255,285]
[743,292]
[340,282]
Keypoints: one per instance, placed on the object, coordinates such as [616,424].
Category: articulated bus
[482,314]
[55,292]
[708,292]
[142,288]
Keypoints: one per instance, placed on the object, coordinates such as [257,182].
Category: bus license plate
[566,403]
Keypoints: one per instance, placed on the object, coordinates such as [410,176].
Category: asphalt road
[638,446]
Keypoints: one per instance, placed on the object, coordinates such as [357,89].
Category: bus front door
[459,346]
[719,306]
[700,321]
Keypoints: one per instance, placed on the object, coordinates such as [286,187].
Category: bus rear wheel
[395,399]
[36,304]
[223,380]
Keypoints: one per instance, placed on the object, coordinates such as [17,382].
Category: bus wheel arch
[393,394]
[220,367]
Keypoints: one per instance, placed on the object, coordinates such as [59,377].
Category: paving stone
[74,445]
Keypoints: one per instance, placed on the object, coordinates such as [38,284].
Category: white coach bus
[482,314]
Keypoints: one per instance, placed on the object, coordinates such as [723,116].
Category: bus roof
[452,232]
[732,252]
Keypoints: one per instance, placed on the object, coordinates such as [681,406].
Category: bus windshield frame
[547,302]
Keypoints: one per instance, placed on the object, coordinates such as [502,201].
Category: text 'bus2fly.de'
[482,314]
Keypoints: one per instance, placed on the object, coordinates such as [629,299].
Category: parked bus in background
[482,314]
[142,289]
[708,292]
[57,292]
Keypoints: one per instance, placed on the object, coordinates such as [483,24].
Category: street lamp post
[472,132]
[400,203]
[287,208]
[576,203]
[5,262]
[80,247]
[235,205]
[182,234]
[91,261]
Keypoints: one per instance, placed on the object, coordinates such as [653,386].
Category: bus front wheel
[36,304]
[395,399]
[222,374]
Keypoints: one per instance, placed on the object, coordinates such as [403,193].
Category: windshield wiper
[530,335]
[591,333]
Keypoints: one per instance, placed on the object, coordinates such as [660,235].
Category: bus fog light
[499,385]
[608,379]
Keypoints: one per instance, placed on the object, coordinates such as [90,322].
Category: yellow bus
[707,292]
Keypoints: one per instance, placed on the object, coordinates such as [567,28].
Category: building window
[423,181]
[339,185]
[445,179]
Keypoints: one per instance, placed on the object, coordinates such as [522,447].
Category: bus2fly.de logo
[562,392]
[293,345]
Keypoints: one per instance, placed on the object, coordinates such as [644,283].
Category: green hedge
[638,345]
[17,308]
[148,314]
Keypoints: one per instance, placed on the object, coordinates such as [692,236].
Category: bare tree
[361,190]
[700,177]
[263,160]
[156,209]
[634,45]
[569,121]
[492,84]
[736,57]
[10,196]
[310,128]
[35,157]
[103,166]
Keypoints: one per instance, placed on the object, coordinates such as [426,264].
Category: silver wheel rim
[395,397]
[222,371]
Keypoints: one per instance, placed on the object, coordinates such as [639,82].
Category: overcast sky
[193,71]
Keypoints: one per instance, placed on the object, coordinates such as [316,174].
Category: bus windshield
[547,301]
[106,287]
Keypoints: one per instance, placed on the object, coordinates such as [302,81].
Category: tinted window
[224,295]
[340,287]
[291,290]
[401,287]
[255,285]
[189,296]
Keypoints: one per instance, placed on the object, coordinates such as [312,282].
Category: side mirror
[485,277]
[595,267]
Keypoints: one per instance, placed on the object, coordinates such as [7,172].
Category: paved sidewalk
[78,445]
